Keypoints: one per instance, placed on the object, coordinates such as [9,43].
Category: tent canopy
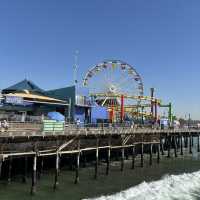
[56,116]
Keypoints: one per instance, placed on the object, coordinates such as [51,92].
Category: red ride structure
[122,109]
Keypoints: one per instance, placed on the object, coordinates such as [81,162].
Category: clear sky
[161,38]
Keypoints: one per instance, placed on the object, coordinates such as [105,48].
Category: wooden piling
[181,144]
[77,168]
[71,163]
[175,145]
[150,154]
[198,146]
[162,146]
[108,161]
[9,170]
[40,168]
[190,145]
[97,159]
[84,159]
[133,158]
[168,146]
[77,163]
[186,141]
[25,170]
[1,162]
[158,153]
[122,159]
[178,142]
[34,175]
[108,156]
[56,182]
[142,154]
[192,141]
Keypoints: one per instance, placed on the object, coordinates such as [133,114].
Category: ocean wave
[170,187]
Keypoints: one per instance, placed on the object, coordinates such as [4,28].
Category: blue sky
[160,38]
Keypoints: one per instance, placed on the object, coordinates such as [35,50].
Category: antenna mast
[75,66]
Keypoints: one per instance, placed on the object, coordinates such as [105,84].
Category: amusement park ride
[117,86]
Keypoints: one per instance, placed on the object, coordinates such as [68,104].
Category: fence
[18,118]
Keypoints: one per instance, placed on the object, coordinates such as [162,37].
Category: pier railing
[91,131]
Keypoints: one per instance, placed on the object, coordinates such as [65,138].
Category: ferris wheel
[113,77]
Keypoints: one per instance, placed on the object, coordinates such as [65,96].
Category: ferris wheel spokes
[114,77]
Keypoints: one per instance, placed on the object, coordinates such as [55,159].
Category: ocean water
[180,181]
[184,187]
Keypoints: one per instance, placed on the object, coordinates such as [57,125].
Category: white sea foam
[170,187]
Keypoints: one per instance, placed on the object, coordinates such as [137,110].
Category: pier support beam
[34,175]
[133,158]
[150,154]
[84,159]
[56,182]
[186,141]
[198,146]
[190,145]
[25,170]
[108,161]
[9,170]
[122,160]
[1,162]
[175,145]
[77,162]
[192,142]
[178,142]
[162,146]
[108,156]
[142,155]
[126,153]
[97,159]
[40,168]
[181,144]
[77,168]
[168,146]
[158,153]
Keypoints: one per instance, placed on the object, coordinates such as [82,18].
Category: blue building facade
[99,114]
[80,103]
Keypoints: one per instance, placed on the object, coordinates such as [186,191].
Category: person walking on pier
[78,122]
[4,125]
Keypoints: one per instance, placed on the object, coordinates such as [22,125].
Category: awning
[81,105]
[34,98]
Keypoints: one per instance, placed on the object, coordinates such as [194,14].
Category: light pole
[75,66]
[189,119]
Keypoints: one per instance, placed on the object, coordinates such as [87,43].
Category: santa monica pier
[103,118]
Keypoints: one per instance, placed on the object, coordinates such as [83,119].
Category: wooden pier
[25,142]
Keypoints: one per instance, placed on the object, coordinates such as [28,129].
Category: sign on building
[82,100]
[14,100]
